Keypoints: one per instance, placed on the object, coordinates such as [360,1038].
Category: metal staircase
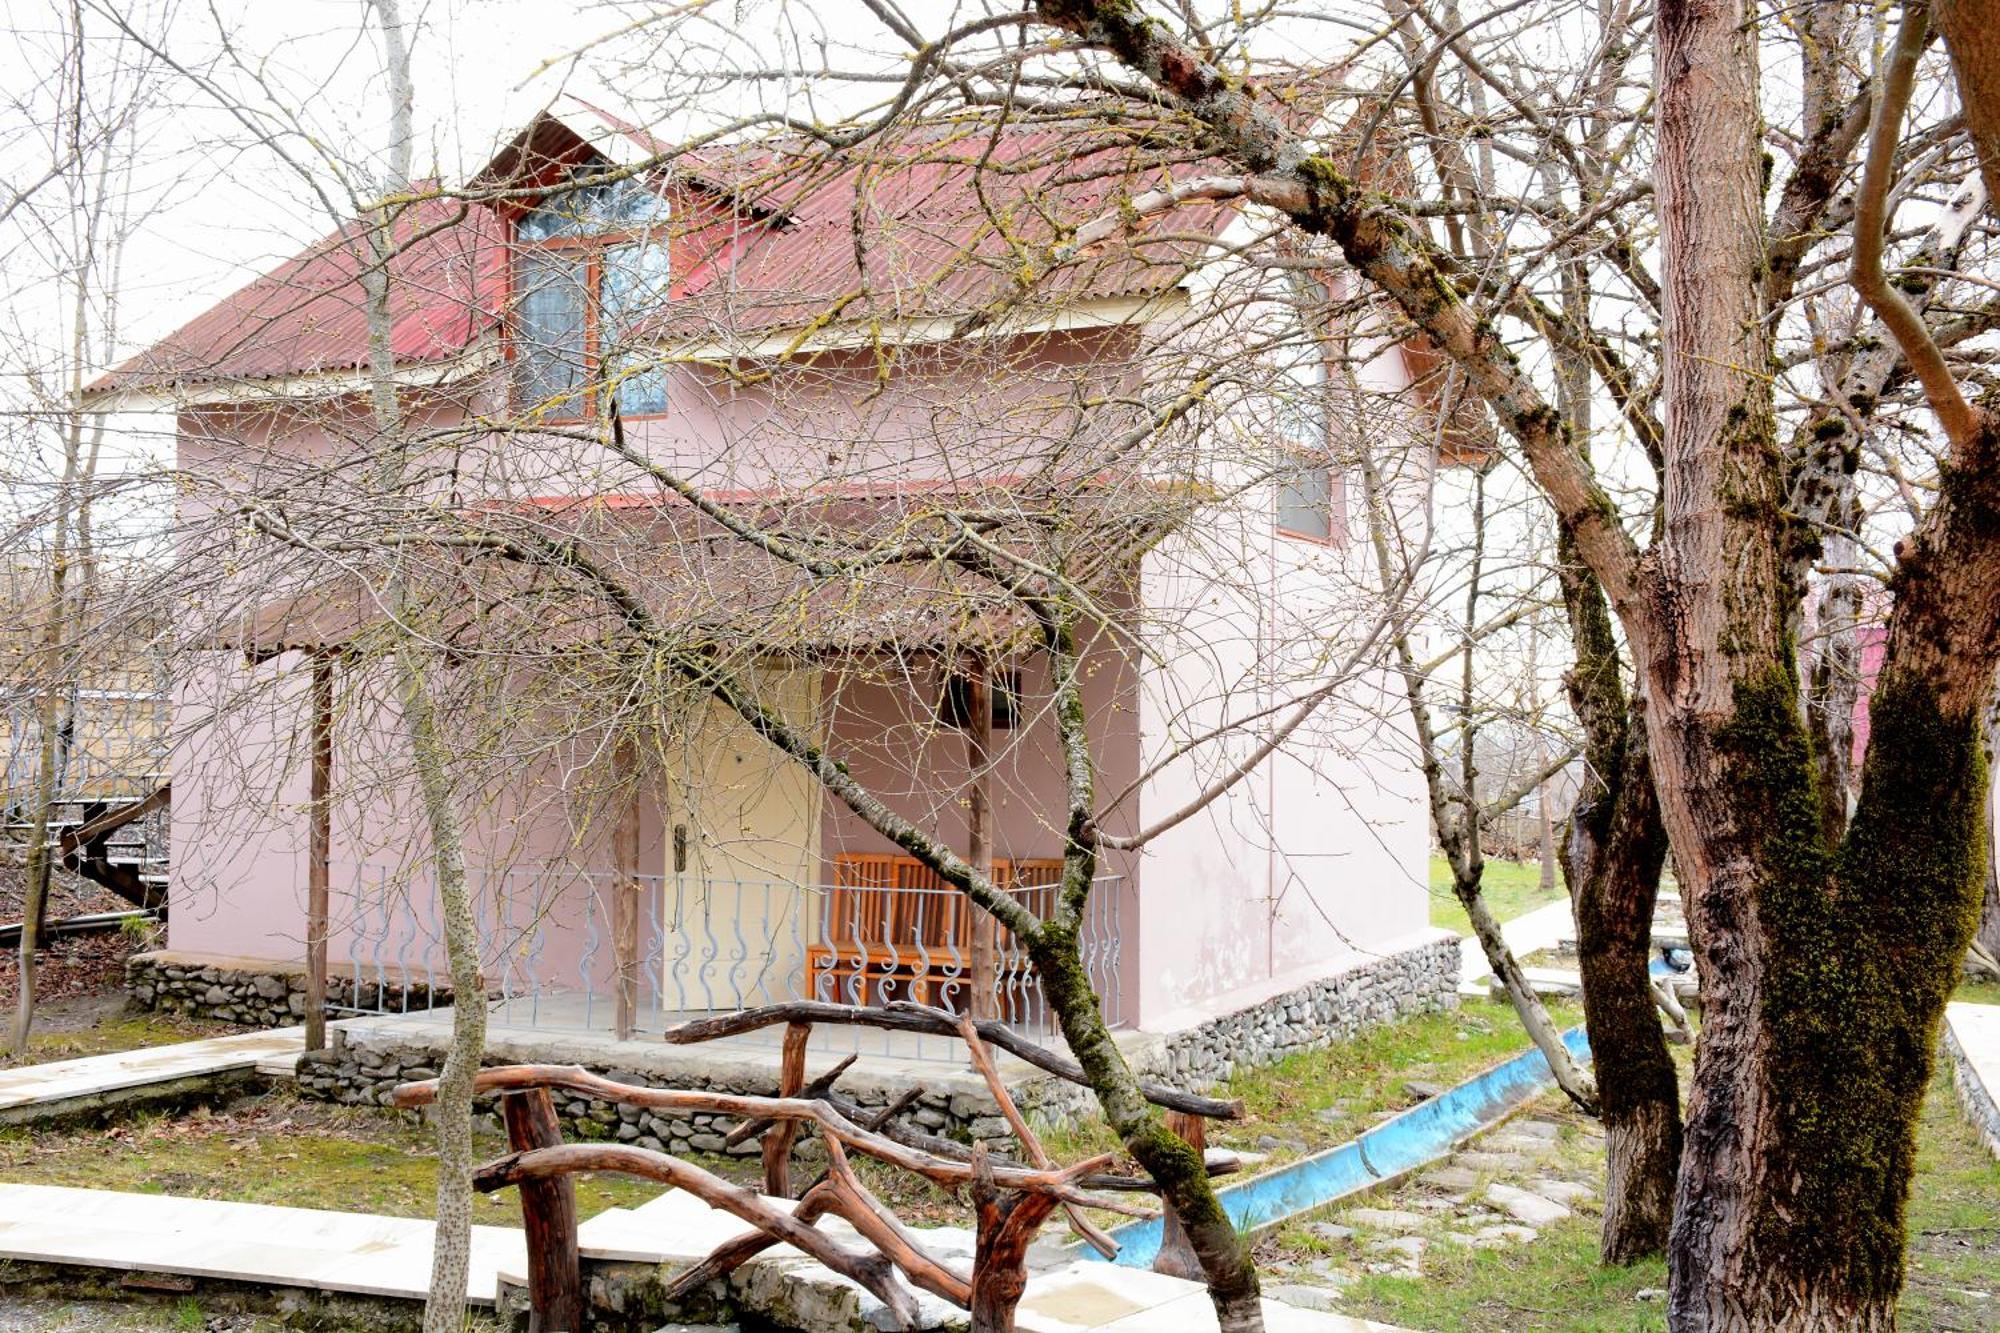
[109,816]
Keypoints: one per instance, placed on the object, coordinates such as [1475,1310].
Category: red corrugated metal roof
[948,220]
[941,223]
[310,315]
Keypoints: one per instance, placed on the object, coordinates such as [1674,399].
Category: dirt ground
[78,965]
[42,1316]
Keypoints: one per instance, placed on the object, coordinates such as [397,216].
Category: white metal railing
[705,945]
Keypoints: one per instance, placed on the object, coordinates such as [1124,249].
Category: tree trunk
[1824,968]
[451,1114]
[1175,1166]
[1988,931]
[1617,847]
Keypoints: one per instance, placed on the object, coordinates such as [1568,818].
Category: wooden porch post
[319,847]
[984,1001]
[625,906]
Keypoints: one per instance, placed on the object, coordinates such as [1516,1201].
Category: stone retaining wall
[367,1071]
[257,994]
[1393,986]
[1973,1094]
[367,1061]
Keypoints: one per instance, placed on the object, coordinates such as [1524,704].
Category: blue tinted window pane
[642,389]
[549,309]
[636,280]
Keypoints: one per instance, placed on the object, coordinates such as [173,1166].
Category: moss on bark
[1862,949]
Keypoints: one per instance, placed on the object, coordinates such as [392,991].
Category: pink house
[841,343]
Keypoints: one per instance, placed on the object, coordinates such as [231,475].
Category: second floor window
[591,263]
[1304,468]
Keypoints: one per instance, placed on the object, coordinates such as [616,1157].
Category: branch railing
[1010,1198]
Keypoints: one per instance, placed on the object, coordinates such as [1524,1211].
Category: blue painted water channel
[1410,1140]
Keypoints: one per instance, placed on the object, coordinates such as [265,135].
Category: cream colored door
[742,850]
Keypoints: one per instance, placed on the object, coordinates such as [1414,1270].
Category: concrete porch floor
[574,1029]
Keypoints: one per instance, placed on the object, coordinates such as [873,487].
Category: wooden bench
[892,929]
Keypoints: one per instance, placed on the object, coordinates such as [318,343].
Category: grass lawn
[277,1148]
[1511,888]
[1978,992]
[1556,1284]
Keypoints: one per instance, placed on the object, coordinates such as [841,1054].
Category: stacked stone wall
[258,994]
[364,1066]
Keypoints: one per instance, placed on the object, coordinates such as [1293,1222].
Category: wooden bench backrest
[865,908]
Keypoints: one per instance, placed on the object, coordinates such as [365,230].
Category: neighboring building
[725,302]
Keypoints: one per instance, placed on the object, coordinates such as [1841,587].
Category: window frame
[1335,491]
[593,246]
[1333,508]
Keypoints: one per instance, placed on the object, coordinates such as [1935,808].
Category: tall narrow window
[1304,462]
[591,268]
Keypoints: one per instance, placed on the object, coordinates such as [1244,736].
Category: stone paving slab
[1092,1297]
[257,1243]
[26,1090]
[1972,1041]
[1532,932]
[1080,1297]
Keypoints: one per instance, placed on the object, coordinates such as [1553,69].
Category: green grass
[1978,992]
[1556,1284]
[1511,889]
[279,1149]
[1364,1075]
[123,1031]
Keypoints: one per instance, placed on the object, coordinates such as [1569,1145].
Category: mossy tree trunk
[1615,850]
[1824,968]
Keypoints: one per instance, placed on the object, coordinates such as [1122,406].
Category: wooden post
[319,847]
[779,1137]
[548,1217]
[1177,1257]
[625,913]
[984,1001]
[1005,1224]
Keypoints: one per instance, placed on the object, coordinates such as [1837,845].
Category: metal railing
[705,946]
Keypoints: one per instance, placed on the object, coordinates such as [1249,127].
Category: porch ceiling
[878,588]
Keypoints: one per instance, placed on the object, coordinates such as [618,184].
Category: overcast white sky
[224,209]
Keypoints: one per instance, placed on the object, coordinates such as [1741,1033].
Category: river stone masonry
[363,1066]
[369,1057]
[1417,980]
[257,992]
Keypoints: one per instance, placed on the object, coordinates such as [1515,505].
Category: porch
[572,952]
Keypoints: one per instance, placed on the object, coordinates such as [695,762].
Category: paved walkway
[1080,1297]
[1972,1042]
[1543,928]
[390,1257]
[242,1242]
[97,1080]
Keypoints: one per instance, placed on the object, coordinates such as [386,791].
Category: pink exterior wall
[1311,861]
[881,720]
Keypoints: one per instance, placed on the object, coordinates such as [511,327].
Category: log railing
[1010,1198]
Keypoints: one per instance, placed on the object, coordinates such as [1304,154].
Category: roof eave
[313,386]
